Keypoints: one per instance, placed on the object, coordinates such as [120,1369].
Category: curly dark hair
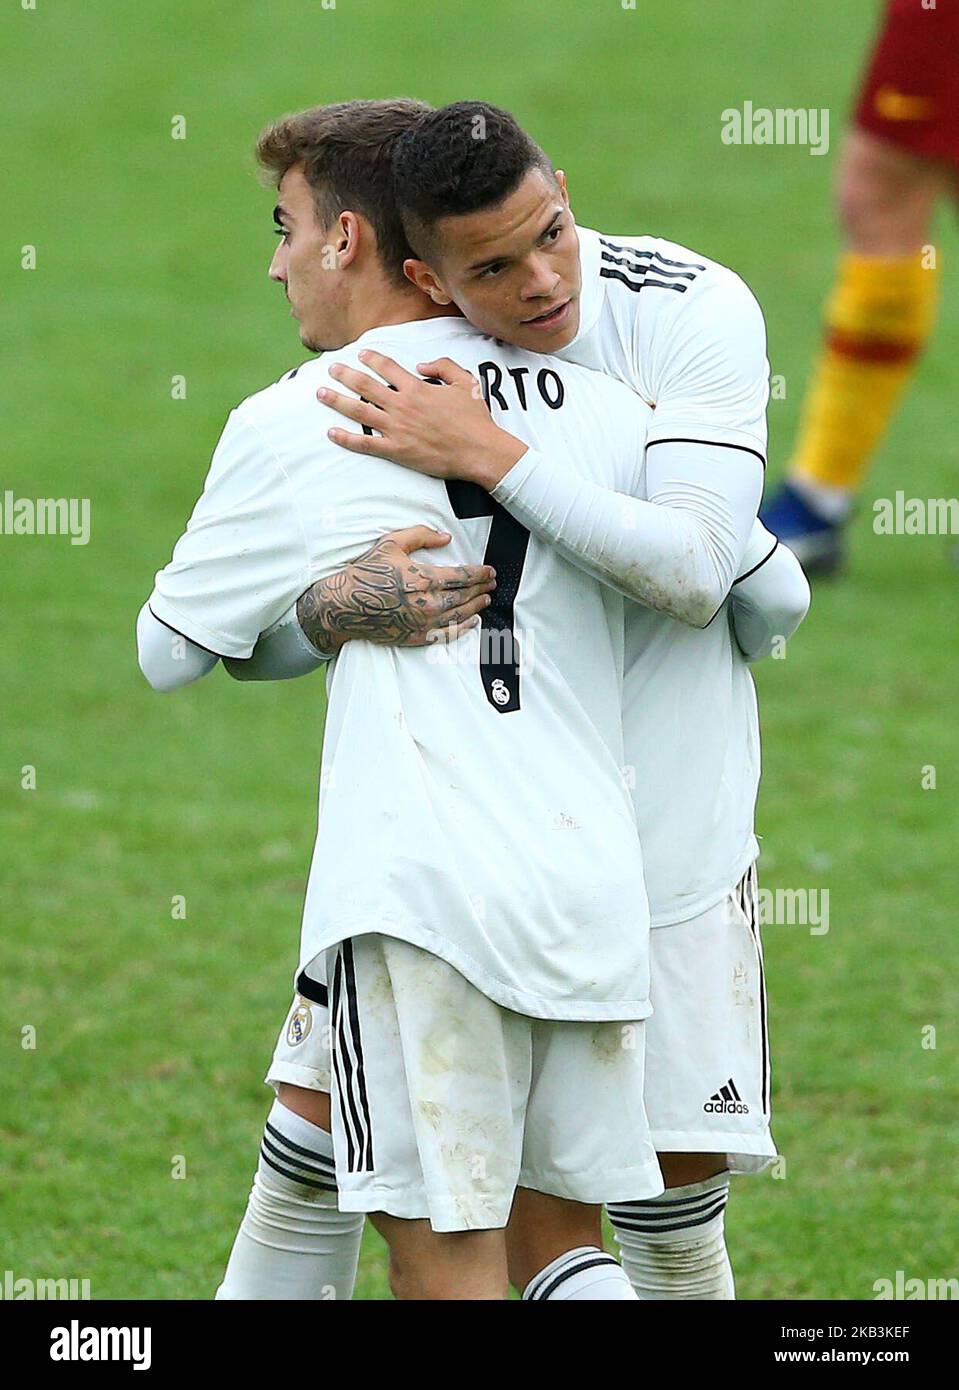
[461,158]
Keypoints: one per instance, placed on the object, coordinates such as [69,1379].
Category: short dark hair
[346,151]
[462,158]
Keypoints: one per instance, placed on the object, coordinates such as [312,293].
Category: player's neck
[389,304]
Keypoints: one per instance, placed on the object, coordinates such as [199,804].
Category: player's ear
[345,239]
[419,274]
[560,176]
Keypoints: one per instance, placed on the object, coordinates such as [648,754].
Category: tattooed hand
[387,597]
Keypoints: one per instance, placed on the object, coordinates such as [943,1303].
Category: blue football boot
[816,543]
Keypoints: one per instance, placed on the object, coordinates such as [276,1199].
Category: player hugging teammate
[528,983]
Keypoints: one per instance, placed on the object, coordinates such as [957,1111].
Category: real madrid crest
[301,1023]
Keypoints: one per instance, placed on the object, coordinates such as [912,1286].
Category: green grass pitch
[153,1032]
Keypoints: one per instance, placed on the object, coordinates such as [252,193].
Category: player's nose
[542,280]
[277,269]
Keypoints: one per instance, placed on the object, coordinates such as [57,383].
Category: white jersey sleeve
[243,559]
[688,337]
[167,658]
[705,364]
[685,332]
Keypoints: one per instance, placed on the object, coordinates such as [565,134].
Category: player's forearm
[369,600]
[167,658]
[282,653]
[769,600]
[678,553]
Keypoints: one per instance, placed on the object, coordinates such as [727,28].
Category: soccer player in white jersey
[476,892]
[493,225]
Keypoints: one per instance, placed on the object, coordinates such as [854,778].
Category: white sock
[586,1273]
[674,1247]
[293,1243]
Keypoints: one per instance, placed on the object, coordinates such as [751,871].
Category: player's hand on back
[388,596]
[441,427]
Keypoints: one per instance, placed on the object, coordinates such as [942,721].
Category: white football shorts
[707,1042]
[707,1081]
[443,1102]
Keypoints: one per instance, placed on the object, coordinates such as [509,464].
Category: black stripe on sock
[578,1267]
[671,1226]
[712,1199]
[538,1280]
[675,1203]
[299,1148]
[296,1177]
[327,1171]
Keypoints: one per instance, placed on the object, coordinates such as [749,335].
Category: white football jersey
[472,797]
[688,337]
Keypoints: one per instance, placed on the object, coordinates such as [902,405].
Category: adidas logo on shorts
[726,1101]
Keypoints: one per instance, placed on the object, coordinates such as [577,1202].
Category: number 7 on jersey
[506,552]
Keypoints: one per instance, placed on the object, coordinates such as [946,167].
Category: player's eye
[282,231]
[553,234]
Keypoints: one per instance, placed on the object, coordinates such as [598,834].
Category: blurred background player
[900,156]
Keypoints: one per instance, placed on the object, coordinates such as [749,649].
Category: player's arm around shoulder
[387,594]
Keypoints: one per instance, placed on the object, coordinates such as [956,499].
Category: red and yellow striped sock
[878,319]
